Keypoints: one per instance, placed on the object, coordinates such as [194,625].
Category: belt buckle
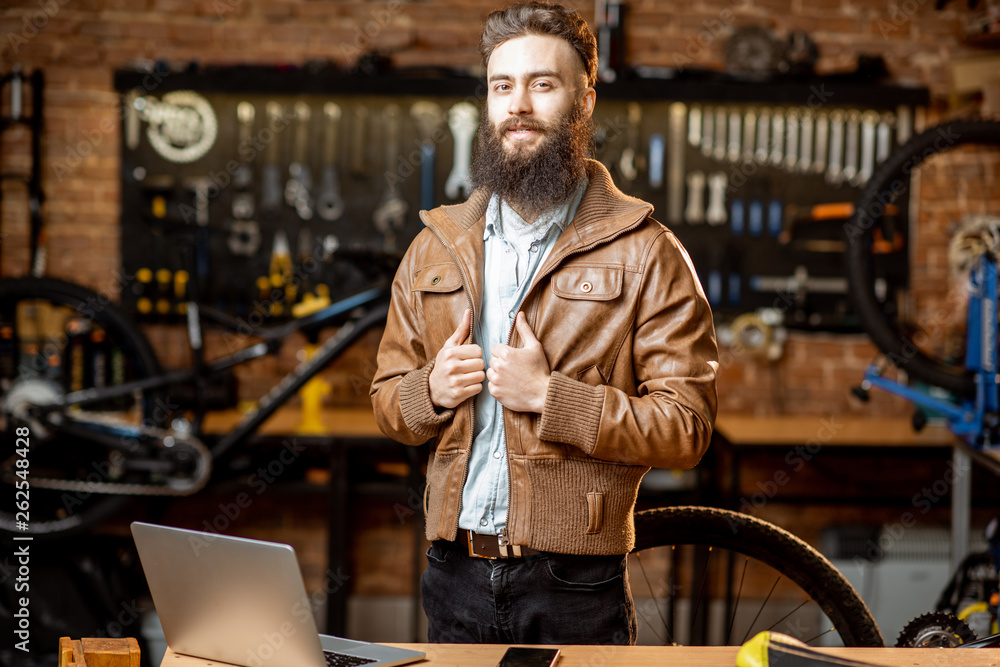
[504,550]
[472,547]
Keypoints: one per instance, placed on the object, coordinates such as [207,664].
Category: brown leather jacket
[629,337]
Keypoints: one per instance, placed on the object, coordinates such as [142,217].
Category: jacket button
[586,287]
[435,280]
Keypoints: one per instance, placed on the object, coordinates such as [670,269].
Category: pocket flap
[437,278]
[589,283]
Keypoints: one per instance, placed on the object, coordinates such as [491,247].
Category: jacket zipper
[472,401]
[504,538]
[504,534]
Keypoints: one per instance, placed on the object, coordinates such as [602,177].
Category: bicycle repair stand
[975,421]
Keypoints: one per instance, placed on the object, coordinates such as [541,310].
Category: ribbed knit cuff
[572,412]
[418,410]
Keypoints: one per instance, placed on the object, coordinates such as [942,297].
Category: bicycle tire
[884,186]
[779,550]
[142,362]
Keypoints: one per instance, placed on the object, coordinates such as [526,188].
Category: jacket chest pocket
[590,316]
[588,283]
[437,291]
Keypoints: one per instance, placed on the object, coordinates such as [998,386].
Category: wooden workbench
[473,655]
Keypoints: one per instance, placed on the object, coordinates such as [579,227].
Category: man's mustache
[522,123]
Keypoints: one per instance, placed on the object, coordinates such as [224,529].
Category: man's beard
[534,178]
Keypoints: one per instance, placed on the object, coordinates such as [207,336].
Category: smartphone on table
[526,656]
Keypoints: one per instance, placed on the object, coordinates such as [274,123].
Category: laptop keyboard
[344,660]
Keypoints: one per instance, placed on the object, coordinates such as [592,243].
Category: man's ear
[589,99]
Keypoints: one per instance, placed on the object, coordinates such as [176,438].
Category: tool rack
[743,205]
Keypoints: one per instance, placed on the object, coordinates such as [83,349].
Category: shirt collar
[559,215]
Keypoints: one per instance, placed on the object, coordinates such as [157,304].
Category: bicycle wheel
[55,337]
[947,178]
[702,575]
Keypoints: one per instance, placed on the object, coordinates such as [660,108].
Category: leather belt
[489,546]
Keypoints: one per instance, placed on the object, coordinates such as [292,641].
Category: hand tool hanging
[270,199]
[33,180]
[298,189]
[329,201]
[675,158]
[631,161]
[463,121]
[244,232]
[429,119]
[390,214]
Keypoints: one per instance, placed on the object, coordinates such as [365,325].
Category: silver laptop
[242,601]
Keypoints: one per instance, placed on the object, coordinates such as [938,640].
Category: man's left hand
[519,376]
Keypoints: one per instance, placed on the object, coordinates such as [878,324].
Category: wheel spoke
[649,586]
[701,592]
[788,579]
[736,606]
[760,609]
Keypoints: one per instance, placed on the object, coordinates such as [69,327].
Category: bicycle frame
[974,420]
[374,300]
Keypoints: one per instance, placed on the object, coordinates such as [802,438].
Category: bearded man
[554,342]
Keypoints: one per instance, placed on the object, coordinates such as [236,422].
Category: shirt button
[482,522]
[511,314]
[496,454]
[533,247]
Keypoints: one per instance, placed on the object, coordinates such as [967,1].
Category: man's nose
[519,102]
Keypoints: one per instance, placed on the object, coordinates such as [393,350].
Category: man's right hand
[458,371]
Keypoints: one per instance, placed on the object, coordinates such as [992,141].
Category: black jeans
[542,599]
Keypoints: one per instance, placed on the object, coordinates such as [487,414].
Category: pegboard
[735,169]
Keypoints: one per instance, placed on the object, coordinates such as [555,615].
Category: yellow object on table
[312,394]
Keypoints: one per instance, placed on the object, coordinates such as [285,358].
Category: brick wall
[80,44]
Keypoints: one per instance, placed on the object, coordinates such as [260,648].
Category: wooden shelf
[829,430]
[340,422]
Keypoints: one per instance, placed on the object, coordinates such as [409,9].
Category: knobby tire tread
[771,545]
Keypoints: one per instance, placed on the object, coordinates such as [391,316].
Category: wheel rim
[57,513]
[709,576]
[942,177]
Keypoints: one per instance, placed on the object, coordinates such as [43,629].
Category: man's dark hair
[541,18]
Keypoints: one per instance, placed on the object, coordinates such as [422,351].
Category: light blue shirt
[513,254]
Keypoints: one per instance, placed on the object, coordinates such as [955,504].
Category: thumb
[462,331]
[524,330]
